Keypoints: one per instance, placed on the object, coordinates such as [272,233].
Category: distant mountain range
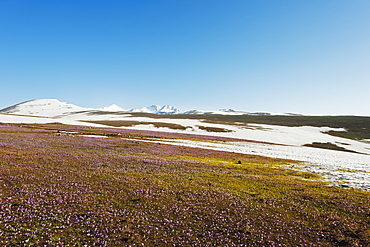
[55,108]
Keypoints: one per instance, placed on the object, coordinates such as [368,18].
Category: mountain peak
[156,109]
[167,109]
[112,107]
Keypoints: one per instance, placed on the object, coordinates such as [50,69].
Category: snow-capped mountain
[147,109]
[167,109]
[112,108]
[43,108]
[156,109]
[152,109]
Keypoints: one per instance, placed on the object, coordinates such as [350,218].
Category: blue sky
[310,57]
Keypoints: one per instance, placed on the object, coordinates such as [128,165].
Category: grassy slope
[70,190]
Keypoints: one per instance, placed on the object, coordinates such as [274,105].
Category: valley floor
[63,185]
[347,169]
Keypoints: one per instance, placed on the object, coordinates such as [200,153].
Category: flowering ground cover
[59,188]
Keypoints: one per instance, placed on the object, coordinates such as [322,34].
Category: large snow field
[296,136]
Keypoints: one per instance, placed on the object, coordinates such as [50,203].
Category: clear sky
[310,57]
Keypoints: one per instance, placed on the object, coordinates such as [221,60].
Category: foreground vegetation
[59,188]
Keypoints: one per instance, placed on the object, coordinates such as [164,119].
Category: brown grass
[133,123]
[213,129]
